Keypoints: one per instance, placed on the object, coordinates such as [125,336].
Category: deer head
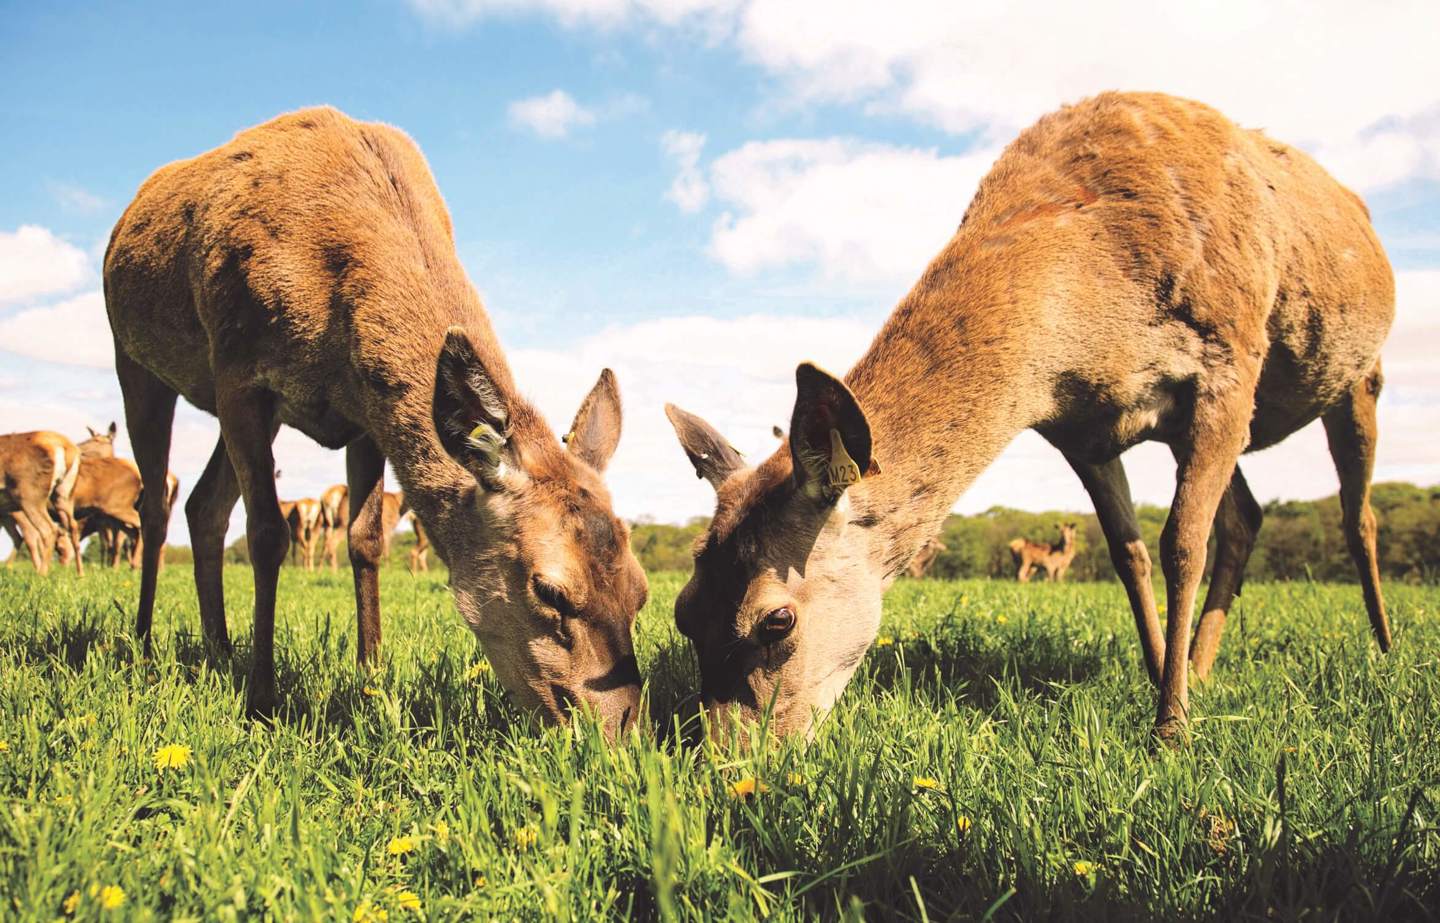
[540,566]
[100,444]
[785,597]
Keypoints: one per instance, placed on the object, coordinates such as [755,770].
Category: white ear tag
[842,471]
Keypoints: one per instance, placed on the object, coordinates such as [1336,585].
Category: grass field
[991,757]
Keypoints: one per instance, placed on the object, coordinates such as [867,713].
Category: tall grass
[991,758]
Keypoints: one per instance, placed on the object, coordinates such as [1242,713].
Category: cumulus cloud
[74,332]
[552,115]
[858,211]
[689,190]
[35,263]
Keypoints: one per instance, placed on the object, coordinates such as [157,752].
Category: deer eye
[776,624]
[552,596]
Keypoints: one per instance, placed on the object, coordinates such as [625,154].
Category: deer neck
[946,386]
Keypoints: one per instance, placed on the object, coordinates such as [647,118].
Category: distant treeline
[1299,540]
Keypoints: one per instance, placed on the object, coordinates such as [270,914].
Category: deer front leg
[247,418]
[365,472]
[1110,492]
[1237,523]
[1218,432]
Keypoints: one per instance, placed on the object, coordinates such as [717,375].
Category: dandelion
[111,897]
[172,756]
[70,903]
[1084,868]
[366,912]
[442,830]
[481,882]
[480,669]
[1001,619]
[526,837]
[408,900]
[795,778]
[884,641]
[746,787]
[4,746]
[370,692]
[400,845]
[962,824]
[926,782]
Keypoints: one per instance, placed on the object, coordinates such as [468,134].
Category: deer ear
[829,435]
[713,457]
[113,430]
[470,412]
[596,430]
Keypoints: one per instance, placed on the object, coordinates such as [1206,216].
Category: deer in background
[1183,280]
[303,518]
[305,273]
[38,471]
[420,554]
[924,558]
[334,520]
[1054,559]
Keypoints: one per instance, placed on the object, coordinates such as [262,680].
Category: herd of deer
[1181,279]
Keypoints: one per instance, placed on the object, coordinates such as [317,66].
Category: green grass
[1026,705]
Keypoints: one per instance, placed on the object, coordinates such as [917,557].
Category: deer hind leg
[34,537]
[149,416]
[1110,492]
[247,423]
[1218,431]
[12,529]
[1351,430]
[1237,523]
[365,473]
[208,514]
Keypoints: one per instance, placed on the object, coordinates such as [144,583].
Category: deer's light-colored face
[540,566]
[785,597]
[100,444]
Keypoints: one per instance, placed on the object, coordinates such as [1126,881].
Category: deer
[1054,559]
[925,558]
[420,554]
[392,509]
[334,520]
[38,471]
[303,518]
[305,273]
[1184,280]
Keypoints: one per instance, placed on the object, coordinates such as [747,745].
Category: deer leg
[149,415]
[69,528]
[1351,430]
[34,539]
[247,424]
[208,514]
[12,529]
[1237,523]
[365,472]
[1219,428]
[1110,492]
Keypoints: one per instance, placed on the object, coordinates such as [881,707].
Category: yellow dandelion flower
[172,756]
[370,692]
[442,830]
[1084,868]
[4,746]
[962,824]
[926,782]
[746,787]
[795,778]
[400,845]
[408,900]
[480,669]
[1001,619]
[884,641]
[111,897]
[481,882]
[70,903]
[526,837]
[366,912]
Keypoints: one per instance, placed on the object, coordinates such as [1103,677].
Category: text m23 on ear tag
[842,470]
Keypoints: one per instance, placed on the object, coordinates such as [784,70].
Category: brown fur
[38,471]
[1053,559]
[1184,280]
[305,273]
[334,520]
[420,554]
[303,518]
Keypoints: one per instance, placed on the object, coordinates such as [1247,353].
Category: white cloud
[35,263]
[858,211]
[74,197]
[75,331]
[689,190]
[552,115]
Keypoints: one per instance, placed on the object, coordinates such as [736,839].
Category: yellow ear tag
[484,439]
[842,470]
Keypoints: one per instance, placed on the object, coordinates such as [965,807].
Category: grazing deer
[1054,559]
[305,273]
[334,520]
[100,444]
[38,471]
[420,554]
[924,558]
[1184,281]
[392,508]
[303,518]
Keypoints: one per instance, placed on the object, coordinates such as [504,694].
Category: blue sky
[699,193]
